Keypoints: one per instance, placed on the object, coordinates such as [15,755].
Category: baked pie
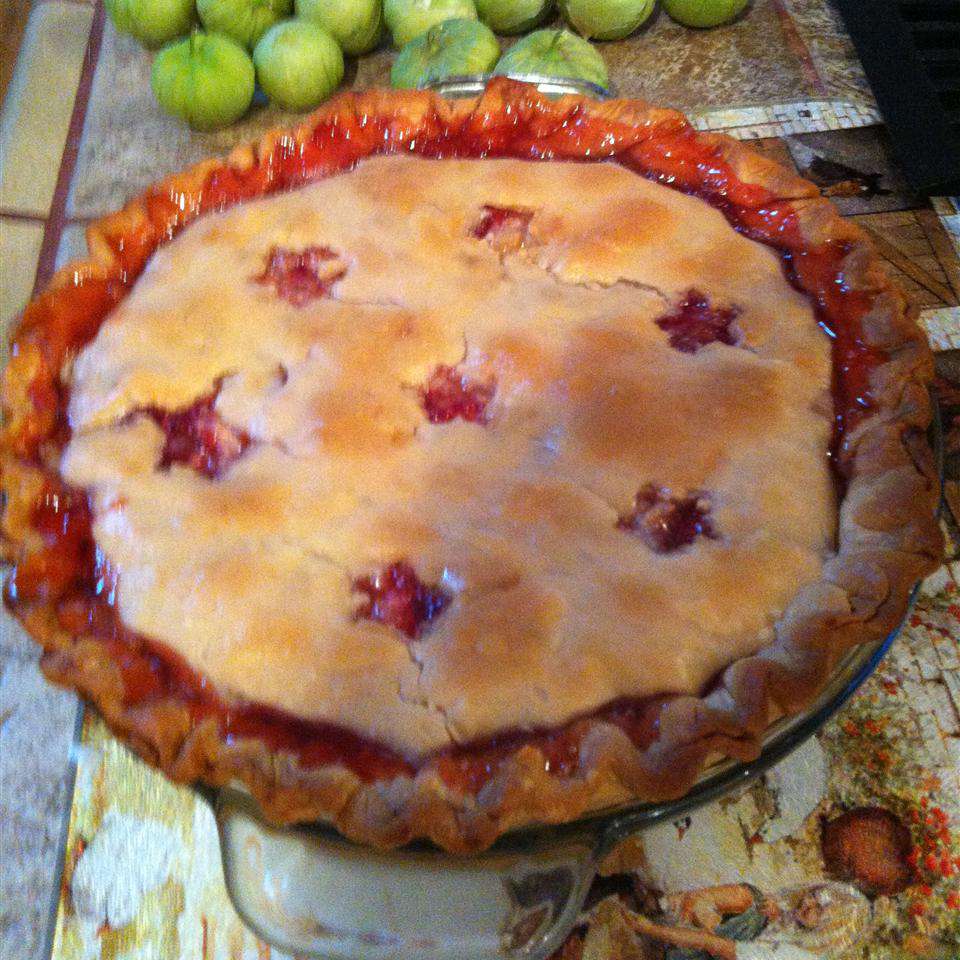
[440,467]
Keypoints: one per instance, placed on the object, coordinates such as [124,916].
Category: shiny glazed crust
[887,538]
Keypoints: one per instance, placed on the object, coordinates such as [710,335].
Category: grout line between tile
[57,218]
[22,216]
[51,931]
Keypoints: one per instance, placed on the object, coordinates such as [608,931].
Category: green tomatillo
[206,80]
[355,24]
[245,21]
[555,53]
[298,64]
[407,19]
[606,19]
[152,22]
[448,49]
[513,16]
[704,13]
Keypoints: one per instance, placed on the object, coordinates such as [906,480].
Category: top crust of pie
[291,307]
[554,609]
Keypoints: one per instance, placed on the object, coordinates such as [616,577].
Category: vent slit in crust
[397,597]
[198,437]
[450,393]
[299,276]
[695,321]
[665,521]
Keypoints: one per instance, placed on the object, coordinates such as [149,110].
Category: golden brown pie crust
[887,537]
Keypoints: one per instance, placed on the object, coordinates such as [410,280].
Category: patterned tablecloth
[848,849]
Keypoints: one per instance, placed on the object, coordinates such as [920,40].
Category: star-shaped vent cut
[397,597]
[301,276]
[506,229]
[199,438]
[695,322]
[666,522]
[449,394]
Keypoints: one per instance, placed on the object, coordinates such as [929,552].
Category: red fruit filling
[397,597]
[198,438]
[506,229]
[695,322]
[301,277]
[449,394]
[471,766]
[666,523]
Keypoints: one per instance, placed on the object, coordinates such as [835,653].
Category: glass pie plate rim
[473,84]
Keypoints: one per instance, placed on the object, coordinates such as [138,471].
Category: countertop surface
[79,133]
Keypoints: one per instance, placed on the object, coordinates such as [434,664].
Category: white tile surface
[39,103]
[19,247]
